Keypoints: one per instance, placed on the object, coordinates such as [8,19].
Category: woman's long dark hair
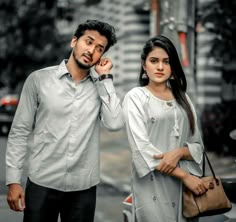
[178,83]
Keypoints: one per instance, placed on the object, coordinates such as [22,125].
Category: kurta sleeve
[195,145]
[136,126]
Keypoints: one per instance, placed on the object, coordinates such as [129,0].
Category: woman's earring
[168,84]
[144,76]
[171,77]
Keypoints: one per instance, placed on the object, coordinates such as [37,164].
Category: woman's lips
[158,74]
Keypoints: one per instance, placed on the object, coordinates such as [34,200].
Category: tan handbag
[213,202]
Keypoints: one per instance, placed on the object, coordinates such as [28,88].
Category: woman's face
[157,66]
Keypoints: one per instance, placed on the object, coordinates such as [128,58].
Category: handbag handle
[211,168]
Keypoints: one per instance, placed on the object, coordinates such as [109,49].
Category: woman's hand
[169,161]
[195,184]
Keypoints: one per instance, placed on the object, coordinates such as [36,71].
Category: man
[61,107]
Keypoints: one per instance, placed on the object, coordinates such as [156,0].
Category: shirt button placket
[152,120]
[72,141]
[151,177]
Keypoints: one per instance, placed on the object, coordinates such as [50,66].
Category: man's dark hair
[103,28]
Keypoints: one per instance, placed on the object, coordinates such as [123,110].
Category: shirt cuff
[105,87]
[13,175]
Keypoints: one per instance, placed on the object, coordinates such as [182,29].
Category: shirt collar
[62,70]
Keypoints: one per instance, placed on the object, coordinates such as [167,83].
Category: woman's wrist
[179,173]
[185,153]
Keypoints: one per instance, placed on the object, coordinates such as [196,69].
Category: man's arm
[17,144]
[111,111]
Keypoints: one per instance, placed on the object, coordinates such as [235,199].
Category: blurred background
[37,33]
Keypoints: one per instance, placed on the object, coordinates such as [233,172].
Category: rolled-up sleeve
[111,111]
[136,126]
[21,128]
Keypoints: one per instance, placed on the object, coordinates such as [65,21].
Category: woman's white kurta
[155,126]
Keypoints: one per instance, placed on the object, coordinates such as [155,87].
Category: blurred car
[8,105]
[127,212]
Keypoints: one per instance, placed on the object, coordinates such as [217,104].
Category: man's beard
[80,64]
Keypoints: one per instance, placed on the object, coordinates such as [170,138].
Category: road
[115,182]
[111,192]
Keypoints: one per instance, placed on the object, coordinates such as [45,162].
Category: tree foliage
[219,17]
[29,38]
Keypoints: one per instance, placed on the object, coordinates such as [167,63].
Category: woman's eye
[153,60]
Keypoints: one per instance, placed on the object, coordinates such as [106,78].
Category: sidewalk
[115,160]
[5,212]
[224,166]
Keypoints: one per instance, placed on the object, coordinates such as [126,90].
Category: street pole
[177,22]
[154,18]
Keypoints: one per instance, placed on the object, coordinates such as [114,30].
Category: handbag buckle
[211,185]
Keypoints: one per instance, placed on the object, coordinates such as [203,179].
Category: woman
[163,134]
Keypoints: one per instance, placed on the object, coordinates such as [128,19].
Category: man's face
[88,49]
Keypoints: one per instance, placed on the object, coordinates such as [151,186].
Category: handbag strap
[209,163]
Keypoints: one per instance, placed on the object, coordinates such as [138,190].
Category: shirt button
[173,204]
[153,120]
[151,177]
[70,155]
[154,198]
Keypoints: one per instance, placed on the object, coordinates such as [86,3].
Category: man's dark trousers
[45,204]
